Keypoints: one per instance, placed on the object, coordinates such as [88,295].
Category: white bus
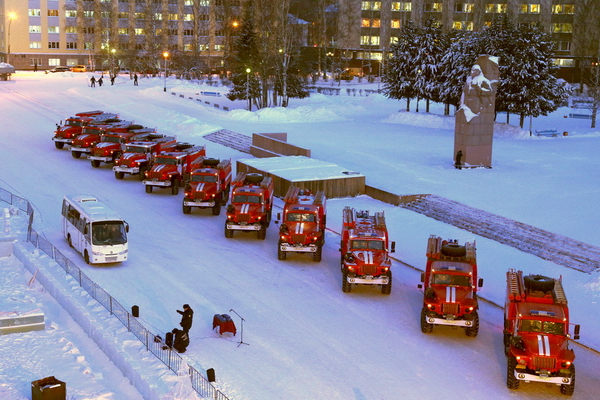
[94,230]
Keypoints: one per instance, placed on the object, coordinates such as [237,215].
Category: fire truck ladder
[559,292]
[515,290]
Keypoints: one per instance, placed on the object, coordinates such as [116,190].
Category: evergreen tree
[246,61]
[401,72]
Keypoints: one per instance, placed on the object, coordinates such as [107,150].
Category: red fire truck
[139,155]
[251,204]
[92,134]
[450,286]
[72,127]
[112,145]
[302,229]
[365,249]
[208,186]
[536,332]
[170,168]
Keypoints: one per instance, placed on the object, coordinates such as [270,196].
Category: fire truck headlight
[521,360]
[566,364]
[213,195]
[282,237]
[431,307]
[351,269]
[385,269]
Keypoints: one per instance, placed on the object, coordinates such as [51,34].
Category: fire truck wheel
[59,145]
[119,175]
[454,250]
[474,329]
[281,255]
[175,186]
[511,381]
[387,288]
[86,257]
[216,210]
[539,282]
[186,209]
[228,232]
[148,188]
[426,327]
[346,286]
[76,154]
[95,163]
[316,256]
[262,232]
[506,341]
[570,388]
[142,173]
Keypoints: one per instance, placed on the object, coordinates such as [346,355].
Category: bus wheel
[86,257]
[69,240]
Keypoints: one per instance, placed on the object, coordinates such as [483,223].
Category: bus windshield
[108,233]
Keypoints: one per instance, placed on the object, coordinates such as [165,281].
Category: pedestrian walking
[458,162]
[112,80]
[135,82]
[181,340]
[100,81]
[93,82]
[187,315]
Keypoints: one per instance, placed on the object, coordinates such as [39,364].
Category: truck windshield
[549,327]
[448,279]
[166,160]
[300,217]
[242,198]
[204,178]
[106,233]
[137,149]
[71,122]
[94,131]
[367,244]
[111,139]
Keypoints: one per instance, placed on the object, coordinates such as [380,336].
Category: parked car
[79,68]
[58,69]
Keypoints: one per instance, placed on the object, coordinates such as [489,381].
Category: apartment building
[96,33]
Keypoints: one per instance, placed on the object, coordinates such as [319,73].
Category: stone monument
[474,126]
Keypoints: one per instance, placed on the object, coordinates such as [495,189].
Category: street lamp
[248,70]
[165,55]
[112,62]
[11,16]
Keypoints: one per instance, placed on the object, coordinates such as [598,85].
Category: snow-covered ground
[306,339]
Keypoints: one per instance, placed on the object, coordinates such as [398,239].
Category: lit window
[35,45]
[53,13]
[35,29]
[188,17]
[366,22]
[371,5]
[495,8]
[173,17]
[70,13]
[139,31]
[123,31]
[70,29]
[395,24]
[463,7]
[123,15]
[34,12]
[433,7]
[563,9]
[530,8]
[53,29]
[54,62]
[562,28]
[376,23]
[157,16]
[564,62]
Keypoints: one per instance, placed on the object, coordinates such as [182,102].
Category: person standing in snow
[187,316]
[458,162]
[93,82]
[135,82]
[100,81]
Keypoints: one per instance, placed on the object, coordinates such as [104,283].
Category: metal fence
[170,358]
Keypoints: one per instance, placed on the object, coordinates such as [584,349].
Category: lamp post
[165,55]
[11,16]
[248,70]
[112,62]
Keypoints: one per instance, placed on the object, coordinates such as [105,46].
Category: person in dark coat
[458,162]
[100,81]
[187,316]
[112,80]
[93,82]
[135,82]
[181,340]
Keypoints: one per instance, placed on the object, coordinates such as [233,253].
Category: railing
[170,358]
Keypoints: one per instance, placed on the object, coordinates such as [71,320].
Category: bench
[547,132]
[582,116]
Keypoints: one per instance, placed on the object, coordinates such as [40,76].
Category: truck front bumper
[557,380]
[193,203]
[369,280]
[311,248]
[238,227]
[81,149]
[100,158]
[129,170]
[153,182]
[62,140]
[453,322]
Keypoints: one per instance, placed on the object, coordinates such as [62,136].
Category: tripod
[241,342]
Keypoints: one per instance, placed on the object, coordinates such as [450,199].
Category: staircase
[230,139]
